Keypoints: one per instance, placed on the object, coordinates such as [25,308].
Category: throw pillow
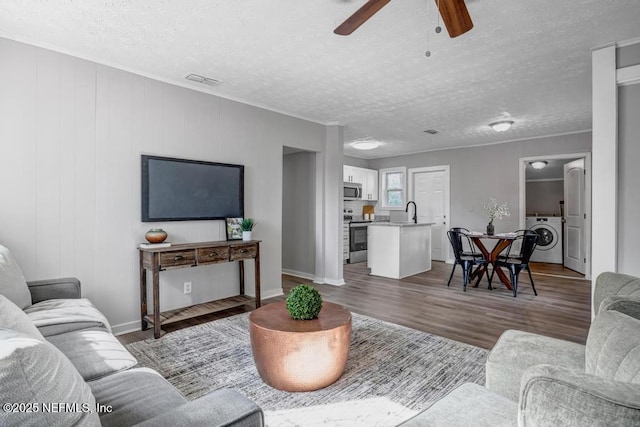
[12,282]
[34,372]
[12,317]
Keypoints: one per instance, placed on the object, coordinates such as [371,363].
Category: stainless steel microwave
[352,191]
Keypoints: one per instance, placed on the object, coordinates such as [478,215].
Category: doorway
[429,188]
[299,212]
[548,199]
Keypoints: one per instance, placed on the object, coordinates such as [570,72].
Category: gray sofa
[60,365]
[533,380]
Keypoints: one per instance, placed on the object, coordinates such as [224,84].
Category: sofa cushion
[468,405]
[613,347]
[34,371]
[58,316]
[93,352]
[609,284]
[12,317]
[516,351]
[12,282]
[134,395]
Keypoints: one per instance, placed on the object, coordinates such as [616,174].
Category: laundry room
[545,207]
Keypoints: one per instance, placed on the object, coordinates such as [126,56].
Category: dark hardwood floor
[477,316]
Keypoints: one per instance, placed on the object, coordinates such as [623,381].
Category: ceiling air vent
[202,79]
[431,131]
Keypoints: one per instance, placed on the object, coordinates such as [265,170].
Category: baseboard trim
[298,274]
[327,281]
[125,328]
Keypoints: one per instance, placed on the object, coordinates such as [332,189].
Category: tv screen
[183,190]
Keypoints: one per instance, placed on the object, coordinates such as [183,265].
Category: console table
[185,255]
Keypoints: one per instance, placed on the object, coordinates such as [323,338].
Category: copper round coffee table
[300,355]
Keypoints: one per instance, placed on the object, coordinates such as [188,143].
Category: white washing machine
[549,229]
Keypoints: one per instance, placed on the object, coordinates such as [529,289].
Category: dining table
[503,240]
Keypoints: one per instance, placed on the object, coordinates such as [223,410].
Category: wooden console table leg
[241,264]
[143,295]
[156,302]
[257,273]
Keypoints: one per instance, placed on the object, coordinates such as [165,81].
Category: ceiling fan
[454,15]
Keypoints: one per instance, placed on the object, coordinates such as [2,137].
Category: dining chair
[466,261]
[515,263]
[472,248]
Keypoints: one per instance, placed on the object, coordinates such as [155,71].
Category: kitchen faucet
[415,211]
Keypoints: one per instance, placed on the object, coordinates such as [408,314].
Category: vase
[155,235]
[246,235]
[490,229]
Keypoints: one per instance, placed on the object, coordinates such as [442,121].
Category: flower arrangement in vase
[495,211]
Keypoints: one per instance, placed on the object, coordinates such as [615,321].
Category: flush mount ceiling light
[501,126]
[365,145]
[202,79]
[539,164]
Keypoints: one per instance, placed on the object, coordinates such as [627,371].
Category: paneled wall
[71,135]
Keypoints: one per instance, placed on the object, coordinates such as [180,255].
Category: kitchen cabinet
[370,185]
[367,177]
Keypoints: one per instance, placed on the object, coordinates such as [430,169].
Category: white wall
[478,173]
[298,214]
[628,179]
[543,197]
[71,135]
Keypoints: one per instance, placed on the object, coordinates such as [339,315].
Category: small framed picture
[234,228]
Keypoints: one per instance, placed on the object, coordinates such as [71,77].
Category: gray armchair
[541,381]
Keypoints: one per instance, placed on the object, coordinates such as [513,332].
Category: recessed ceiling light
[501,126]
[539,164]
[431,131]
[366,145]
[202,79]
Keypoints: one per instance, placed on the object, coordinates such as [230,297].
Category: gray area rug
[392,372]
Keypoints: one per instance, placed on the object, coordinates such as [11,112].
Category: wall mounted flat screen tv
[188,190]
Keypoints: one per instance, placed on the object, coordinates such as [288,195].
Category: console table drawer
[243,252]
[177,259]
[211,255]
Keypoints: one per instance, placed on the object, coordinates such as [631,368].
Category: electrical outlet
[187,287]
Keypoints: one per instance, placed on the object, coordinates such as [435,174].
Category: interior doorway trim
[587,190]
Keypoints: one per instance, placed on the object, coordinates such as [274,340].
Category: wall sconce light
[539,164]
[501,126]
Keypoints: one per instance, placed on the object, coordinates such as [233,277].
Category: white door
[574,203]
[429,188]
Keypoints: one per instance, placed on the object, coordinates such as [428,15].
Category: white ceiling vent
[202,79]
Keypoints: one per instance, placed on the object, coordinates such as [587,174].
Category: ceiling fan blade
[455,16]
[360,17]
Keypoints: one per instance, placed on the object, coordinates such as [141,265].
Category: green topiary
[304,302]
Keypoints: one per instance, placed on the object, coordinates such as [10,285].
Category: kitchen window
[393,184]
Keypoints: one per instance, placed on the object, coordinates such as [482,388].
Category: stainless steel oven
[358,241]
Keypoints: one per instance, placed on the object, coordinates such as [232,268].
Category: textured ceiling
[529,61]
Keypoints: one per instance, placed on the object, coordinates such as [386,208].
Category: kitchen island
[398,249]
